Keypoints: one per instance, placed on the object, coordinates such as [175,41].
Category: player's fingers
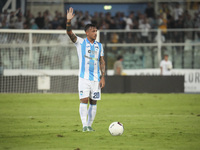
[71,9]
[100,84]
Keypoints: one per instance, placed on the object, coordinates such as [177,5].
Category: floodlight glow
[107,7]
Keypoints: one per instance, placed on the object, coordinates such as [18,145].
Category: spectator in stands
[55,23]
[109,20]
[4,24]
[144,26]
[13,19]
[162,23]
[177,11]
[25,25]
[104,25]
[95,19]
[117,20]
[19,23]
[129,21]
[86,21]
[49,16]
[88,15]
[170,21]
[29,18]
[6,16]
[165,66]
[164,8]
[118,67]
[140,18]
[33,24]
[46,21]
[40,21]
[61,19]
[149,11]
[79,19]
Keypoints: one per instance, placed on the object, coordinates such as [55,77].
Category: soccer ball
[116,128]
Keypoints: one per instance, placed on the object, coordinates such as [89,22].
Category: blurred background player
[91,56]
[118,67]
[165,66]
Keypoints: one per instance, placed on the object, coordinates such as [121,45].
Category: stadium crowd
[168,16]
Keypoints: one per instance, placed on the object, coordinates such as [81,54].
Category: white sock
[91,114]
[83,113]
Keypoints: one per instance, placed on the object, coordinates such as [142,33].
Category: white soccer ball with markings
[116,128]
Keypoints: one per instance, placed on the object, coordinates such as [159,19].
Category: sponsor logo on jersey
[91,58]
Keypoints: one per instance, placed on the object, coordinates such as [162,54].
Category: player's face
[166,58]
[92,33]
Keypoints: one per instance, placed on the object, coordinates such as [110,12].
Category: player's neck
[91,40]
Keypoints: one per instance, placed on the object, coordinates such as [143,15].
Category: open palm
[70,14]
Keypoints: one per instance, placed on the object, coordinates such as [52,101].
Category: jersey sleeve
[171,65]
[78,41]
[78,44]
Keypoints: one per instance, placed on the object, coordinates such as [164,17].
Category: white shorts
[89,88]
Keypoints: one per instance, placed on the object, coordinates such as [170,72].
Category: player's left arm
[102,68]
[161,71]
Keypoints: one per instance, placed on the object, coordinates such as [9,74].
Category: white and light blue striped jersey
[89,56]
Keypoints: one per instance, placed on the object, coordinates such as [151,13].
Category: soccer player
[165,66]
[91,61]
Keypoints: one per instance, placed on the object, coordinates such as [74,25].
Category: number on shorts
[96,95]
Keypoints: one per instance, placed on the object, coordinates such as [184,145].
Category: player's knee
[93,102]
[84,100]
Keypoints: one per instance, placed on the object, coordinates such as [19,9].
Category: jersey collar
[89,41]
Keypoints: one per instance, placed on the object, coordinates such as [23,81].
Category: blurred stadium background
[36,55]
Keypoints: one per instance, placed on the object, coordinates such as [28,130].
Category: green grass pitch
[51,121]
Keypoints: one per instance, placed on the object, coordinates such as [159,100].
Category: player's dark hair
[166,55]
[88,26]
[119,57]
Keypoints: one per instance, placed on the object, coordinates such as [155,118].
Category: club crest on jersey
[96,48]
[81,93]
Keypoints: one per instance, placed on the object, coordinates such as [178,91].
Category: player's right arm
[161,68]
[70,16]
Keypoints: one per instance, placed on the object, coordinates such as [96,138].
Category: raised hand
[70,14]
